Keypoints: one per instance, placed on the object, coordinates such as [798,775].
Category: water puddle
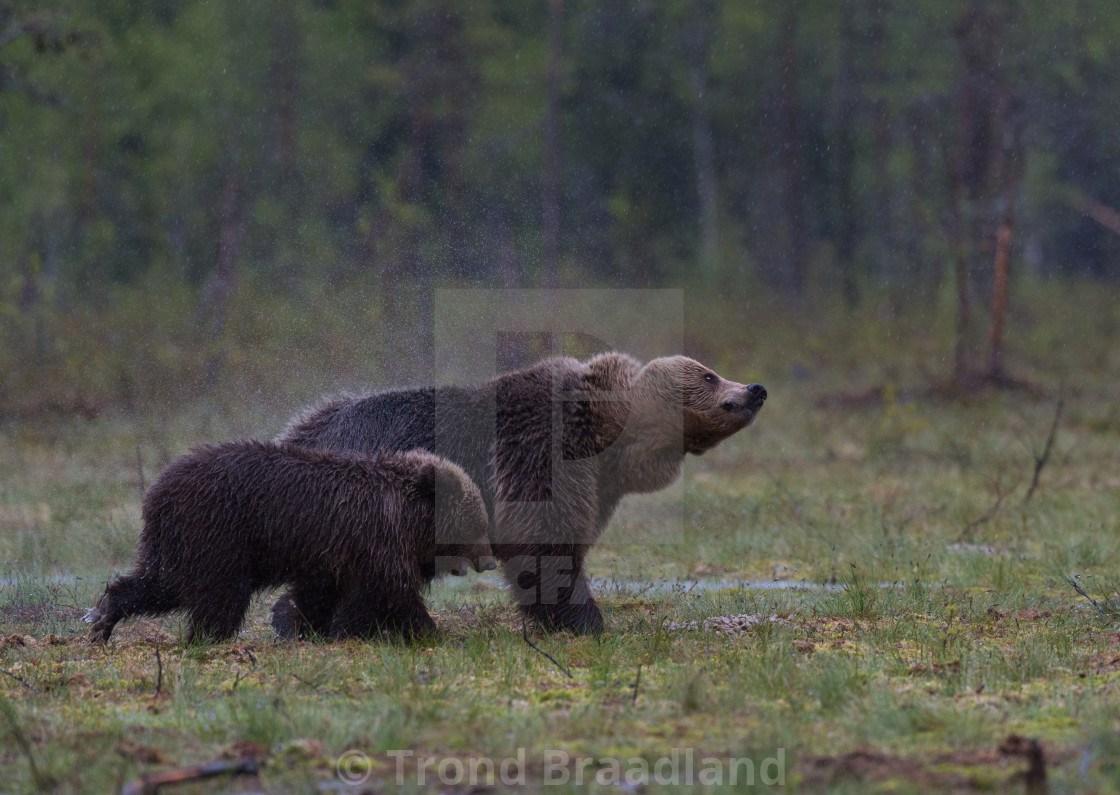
[599,585]
[609,585]
[37,579]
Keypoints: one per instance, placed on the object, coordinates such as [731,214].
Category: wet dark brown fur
[553,447]
[357,537]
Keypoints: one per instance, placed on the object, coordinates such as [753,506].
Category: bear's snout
[482,558]
[750,400]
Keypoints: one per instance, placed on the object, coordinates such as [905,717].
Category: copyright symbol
[353,768]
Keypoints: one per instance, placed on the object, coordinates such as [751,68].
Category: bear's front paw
[580,619]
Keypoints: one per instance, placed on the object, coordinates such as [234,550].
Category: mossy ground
[935,638]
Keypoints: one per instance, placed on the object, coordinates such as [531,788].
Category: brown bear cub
[357,537]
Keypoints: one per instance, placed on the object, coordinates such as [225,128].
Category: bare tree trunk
[790,124]
[551,180]
[999,292]
[29,302]
[884,260]
[928,272]
[983,171]
[707,185]
[847,233]
[703,149]
[87,192]
[282,177]
[454,85]
[960,270]
[508,257]
[406,284]
[231,225]
[959,238]
[1010,173]
[285,69]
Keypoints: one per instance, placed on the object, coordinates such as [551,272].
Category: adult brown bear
[553,448]
[357,536]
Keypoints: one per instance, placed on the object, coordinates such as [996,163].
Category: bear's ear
[449,486]
[425,483]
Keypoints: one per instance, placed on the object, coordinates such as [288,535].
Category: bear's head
[688,406]
[461,521]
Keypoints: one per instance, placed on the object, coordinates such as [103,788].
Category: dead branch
[300,679]
[21,680]
[1101,213]
[1001,495]
[151,782]
[535,647]
[637,684]
[1040,460]
[1080,590]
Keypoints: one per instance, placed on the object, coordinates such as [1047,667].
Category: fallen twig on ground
[1001,495]
[151,782]
[21,680]
[1080,590]
[525,637]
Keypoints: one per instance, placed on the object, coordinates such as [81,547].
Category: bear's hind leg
[367,612]
[285,618]
[219,616]
[310,607]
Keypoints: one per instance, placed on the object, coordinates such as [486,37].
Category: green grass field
[932,641]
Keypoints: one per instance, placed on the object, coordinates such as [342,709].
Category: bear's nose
[757,392]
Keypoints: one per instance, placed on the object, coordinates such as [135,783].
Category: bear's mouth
[699,447]
[745,411]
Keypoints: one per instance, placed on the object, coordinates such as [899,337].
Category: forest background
[191,188]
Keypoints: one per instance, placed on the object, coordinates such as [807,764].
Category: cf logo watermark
[353,768]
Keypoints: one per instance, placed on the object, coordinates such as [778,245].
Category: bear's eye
[711,378]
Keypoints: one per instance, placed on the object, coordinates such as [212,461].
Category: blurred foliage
[178,177]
